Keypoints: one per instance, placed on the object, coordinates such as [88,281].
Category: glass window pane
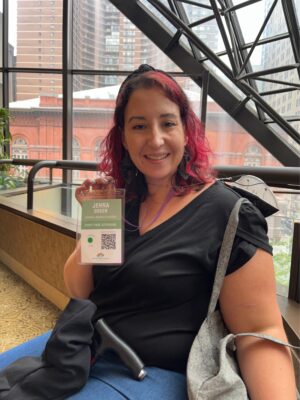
[280,231]
[92,117]
[254,13]
[277,23]
[36,123]
[226,81]
[297,6]
[162,18]
[231,144]
[104,39]
[208,31]
[36,33]
[12,34]
[279,54]
[31,86]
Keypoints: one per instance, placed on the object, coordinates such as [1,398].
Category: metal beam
[151,26]
[235,30]
[294,286]
[242,5]
[5,84]
[274,70]
[5,87]
[224,37]
[204,94]
[178,7]
[258,36]
[67,87]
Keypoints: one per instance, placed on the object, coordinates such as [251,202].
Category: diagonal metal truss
[167,24]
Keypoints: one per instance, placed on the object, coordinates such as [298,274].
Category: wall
[37,253]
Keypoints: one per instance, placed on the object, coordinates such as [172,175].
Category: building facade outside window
[253,156]
[20,151]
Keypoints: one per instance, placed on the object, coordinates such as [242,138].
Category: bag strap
[225,253]
[267,337]
[223,260]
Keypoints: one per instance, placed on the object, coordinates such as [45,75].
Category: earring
[181,170]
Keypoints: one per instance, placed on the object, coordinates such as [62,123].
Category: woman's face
[154,135]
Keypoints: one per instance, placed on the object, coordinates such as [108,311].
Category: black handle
[110,340]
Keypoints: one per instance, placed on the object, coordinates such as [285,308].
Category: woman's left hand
[85,190]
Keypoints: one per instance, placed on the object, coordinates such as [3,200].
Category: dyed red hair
[197,169]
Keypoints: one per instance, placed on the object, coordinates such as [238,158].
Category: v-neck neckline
[135,214]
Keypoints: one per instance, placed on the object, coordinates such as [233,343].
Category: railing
[61,164]
[294,284]
[51,164]
[288,177]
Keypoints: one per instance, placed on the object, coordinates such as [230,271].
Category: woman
[176,213]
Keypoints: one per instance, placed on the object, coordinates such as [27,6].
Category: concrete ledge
[49,292]
[37,253]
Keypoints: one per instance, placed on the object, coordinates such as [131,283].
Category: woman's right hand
[84,191]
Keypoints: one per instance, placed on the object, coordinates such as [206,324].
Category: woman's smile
[157,157]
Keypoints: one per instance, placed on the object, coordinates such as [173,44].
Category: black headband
[141,69]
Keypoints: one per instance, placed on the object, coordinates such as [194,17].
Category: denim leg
[111,380]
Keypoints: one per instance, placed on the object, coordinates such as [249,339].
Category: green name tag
[102,231]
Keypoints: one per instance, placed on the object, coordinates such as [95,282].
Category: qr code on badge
[108,241]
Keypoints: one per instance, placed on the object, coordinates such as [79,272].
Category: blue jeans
[110,379]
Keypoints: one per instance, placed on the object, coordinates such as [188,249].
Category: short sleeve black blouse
[158,298]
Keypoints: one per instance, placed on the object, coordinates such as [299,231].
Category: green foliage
[282,259]
[6,181]
[11,179]
[5,136]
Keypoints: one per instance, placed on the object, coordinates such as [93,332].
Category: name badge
[102,230]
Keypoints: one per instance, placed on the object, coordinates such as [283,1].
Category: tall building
[279,53]
[88,36]
[39,45]
[103,39]
[119,45]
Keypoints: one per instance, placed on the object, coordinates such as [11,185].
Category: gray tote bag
[212,370]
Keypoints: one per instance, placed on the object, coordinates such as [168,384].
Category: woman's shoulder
[222,190]
[221,198]
[252,226]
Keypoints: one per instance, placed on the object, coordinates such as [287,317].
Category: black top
[157,300]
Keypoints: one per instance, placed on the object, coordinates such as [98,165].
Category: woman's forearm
[78,278]
[266,368]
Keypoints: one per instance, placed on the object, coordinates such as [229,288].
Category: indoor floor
[24,313]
